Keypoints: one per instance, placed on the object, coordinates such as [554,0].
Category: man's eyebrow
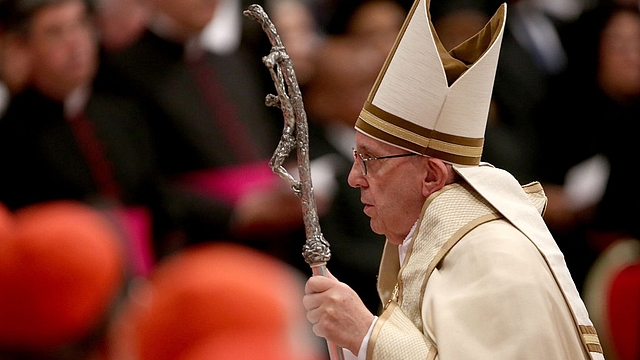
[364,149]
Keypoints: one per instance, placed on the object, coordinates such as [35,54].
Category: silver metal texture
[295,135]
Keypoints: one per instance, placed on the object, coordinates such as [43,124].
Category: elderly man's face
[193,15]
[62,45]
[392,189]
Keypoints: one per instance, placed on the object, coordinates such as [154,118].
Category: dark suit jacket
[186,129]
[42,160]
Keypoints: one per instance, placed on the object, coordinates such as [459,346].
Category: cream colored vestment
[474,286]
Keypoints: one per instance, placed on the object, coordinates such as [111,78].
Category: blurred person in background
[13,67]
[120,22]
[60,138]
[593,114]
[63,137]
[197,76]
[299,32]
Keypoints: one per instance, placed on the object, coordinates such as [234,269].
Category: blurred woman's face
[619,56]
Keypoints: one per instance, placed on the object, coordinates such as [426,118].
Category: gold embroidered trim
[590,336]
[433,352]
[377,327]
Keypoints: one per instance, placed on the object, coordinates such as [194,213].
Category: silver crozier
[295,135]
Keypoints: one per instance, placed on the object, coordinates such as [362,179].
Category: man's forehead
[366,142]
[49,13]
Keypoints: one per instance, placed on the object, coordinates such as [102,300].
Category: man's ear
[436,177]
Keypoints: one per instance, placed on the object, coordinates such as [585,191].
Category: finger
[319,330]
[310,302]
[314,315]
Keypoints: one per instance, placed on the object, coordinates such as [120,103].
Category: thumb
[320,283]
[329,275]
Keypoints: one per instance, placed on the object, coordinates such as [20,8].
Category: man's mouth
[366,208]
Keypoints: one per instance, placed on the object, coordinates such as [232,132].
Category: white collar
[404,247]
[76,102]
[222,34]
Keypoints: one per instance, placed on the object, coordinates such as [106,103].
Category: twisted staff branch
[295,135]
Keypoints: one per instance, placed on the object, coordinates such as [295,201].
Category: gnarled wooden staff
[295,134]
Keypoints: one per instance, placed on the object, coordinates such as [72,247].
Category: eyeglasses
[363,161]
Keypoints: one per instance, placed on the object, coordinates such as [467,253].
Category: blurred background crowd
[139,218]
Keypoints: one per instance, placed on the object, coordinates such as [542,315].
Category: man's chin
[375,228]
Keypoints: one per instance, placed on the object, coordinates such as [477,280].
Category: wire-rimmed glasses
[363,161]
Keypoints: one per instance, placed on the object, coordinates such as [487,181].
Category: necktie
[134,220]
[95,155]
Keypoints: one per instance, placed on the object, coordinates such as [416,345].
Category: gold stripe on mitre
[395,130]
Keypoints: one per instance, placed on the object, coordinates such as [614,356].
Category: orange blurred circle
[60,270]
[208,299]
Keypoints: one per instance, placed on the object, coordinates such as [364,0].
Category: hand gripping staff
[295,134]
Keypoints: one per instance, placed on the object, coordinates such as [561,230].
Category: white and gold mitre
[432,101]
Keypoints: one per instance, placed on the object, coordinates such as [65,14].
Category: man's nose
[356,179]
